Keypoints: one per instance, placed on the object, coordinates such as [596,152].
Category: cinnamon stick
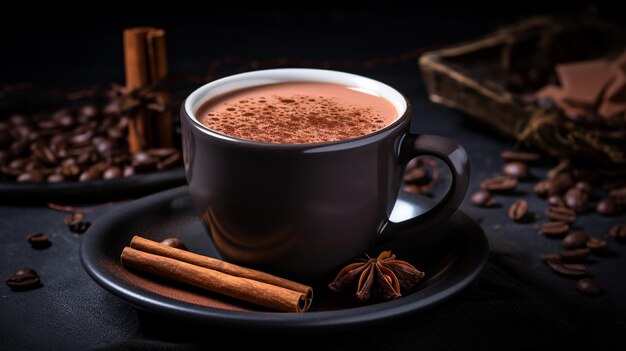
[145,60]
[224,278]
[157,248]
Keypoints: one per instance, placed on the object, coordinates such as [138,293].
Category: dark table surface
[516,303]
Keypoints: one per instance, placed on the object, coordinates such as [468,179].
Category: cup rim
[268,76]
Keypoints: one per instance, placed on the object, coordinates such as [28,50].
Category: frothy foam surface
[297,113]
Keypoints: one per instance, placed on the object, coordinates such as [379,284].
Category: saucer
[452,254]
[94,191]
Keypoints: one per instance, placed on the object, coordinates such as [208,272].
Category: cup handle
[455,157]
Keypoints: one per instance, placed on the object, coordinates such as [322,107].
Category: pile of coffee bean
[568,194]
[75,144]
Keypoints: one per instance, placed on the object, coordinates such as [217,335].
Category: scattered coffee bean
[562,214]
[606,207]
[518,210]
[554,229]
[417,175]
[75,223]
[38,240]
[55,178]
[499,184]
[174,242]
[567,269]
[598,247]
[618,232]
[542,188]
[520,156]
[23,279]
[588,287]
[483,198]
[556,200]
[577,255]
[577,200]
[559,184]
[575,240]
[584,186]
[517,170]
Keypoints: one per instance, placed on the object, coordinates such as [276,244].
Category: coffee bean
[619,195]
[174,242]
[554,229]
[559,184]
[556,200]
[518,210]
[567,269]
[618,232]
[520,156]
[23,279]
[142,161]
[75,223]
[517,170]
[55,178]
[584,186]
[606,207]
[588,287]
[38,240]
[577,255]
[112,173]
[575,240]
[499,184]
[598,247]
[31,177]
[417,175]
[562,214]
[129,171]
[577,200]
[542,188]
[483,198]
[165,152]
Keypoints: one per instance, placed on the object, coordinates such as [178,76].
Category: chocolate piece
[584,81]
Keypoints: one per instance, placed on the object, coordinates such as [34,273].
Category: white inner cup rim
[283,75]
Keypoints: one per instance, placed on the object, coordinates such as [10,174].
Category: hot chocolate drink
[298,113]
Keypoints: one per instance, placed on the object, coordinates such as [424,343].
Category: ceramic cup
[303,210]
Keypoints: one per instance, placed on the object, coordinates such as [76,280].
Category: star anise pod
[383,277]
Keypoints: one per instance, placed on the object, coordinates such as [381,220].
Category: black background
[515,304]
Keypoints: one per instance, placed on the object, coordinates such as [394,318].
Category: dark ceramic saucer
[452,255]
[94,191]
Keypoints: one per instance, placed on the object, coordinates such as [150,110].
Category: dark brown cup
[304,210]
